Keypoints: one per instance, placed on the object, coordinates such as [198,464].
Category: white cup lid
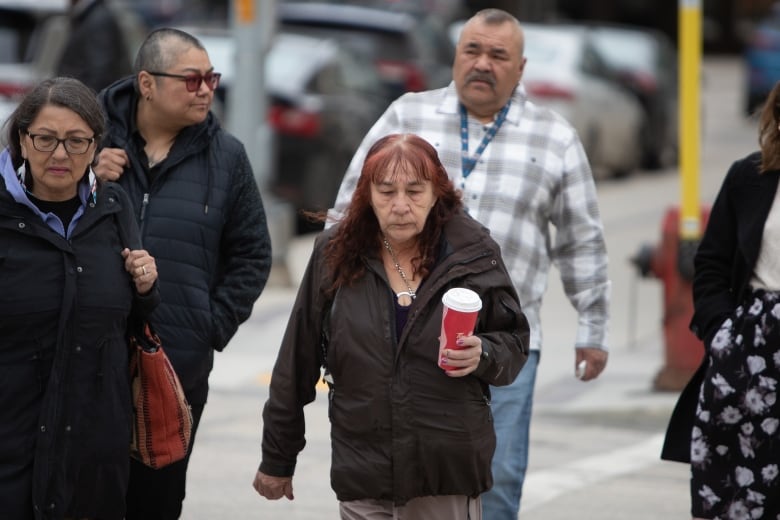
[462,299]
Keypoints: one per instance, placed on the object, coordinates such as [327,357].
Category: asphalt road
[594,446]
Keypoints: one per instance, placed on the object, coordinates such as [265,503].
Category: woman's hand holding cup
[459,350]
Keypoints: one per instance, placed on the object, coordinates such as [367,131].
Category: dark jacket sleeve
[130,237]
[713,292]
[245,255]
[731,243]
[295,374]
[504,332]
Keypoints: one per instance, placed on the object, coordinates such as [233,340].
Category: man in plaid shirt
[522,168]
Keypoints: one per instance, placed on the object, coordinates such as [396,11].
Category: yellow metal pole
[690,44]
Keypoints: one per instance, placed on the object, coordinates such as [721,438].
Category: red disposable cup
[459,315]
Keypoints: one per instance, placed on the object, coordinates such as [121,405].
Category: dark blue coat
[65,406]
[203,220]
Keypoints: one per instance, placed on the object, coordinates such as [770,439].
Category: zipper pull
[144,204]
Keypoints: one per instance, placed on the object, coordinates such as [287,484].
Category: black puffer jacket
[203,220]
[65,407]
[400,428]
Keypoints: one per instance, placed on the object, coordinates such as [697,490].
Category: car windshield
[373,44]
[625,50]
[551,47]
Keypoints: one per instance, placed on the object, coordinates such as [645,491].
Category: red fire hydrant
[672,263]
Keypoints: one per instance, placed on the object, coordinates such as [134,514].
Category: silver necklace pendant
[405,298]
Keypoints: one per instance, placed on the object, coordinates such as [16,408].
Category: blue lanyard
[468,163]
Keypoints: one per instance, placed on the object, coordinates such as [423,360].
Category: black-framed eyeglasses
[49,143]
[193,81]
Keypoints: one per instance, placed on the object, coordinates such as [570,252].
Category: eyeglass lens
[193,82]
[48,143]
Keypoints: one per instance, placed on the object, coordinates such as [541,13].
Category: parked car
[32,36]
[410,52]
[762,59]
[322,100]
[565,72]
[23,45]
[645,61]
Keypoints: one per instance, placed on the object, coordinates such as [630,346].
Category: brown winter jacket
[400,428]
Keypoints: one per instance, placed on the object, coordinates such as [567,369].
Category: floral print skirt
[735,448]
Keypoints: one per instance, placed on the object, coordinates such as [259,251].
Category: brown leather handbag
[162,422]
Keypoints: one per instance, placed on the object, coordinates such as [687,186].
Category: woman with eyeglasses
[410,439]
[68,285]
[726,423]
[200,212]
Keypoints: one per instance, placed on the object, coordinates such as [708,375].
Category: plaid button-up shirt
[533,176]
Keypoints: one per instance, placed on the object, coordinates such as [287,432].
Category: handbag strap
[140,331]
[123,223]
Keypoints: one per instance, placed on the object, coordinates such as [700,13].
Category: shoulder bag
[162,419]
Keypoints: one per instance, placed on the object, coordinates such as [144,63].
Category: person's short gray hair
[493,16]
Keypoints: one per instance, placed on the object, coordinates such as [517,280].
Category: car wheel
[651,150]
[661,155]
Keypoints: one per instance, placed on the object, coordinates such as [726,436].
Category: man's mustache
[481,76]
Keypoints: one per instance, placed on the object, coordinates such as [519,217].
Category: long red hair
[358,233]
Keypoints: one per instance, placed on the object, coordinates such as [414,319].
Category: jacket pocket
[455,449]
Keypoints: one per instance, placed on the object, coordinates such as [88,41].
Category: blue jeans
[511,407]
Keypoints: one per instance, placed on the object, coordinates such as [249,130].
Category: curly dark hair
[358,233]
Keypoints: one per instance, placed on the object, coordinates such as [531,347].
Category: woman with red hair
[408,437]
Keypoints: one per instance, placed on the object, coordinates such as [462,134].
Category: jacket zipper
[143,206]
